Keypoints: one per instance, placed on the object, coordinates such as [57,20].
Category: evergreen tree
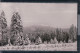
[16,30]
[65,37]
[58,34]
[55,40]
[3,29]
[38,40]
[73,33]
[52,41]
[27,41]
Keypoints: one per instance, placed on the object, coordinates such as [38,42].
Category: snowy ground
[43,47]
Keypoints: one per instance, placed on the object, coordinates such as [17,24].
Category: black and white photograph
[38,26]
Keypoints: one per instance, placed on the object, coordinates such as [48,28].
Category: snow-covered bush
[61,42]
[69,41]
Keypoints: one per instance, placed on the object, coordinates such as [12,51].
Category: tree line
[15,36]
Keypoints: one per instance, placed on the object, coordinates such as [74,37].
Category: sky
[61,15]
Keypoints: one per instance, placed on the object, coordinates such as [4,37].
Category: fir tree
[73,33]
[27,41]
[16,30]
[55,40]
[52,41]
[3,29]
[38,40]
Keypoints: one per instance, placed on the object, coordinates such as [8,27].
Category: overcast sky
[49,14]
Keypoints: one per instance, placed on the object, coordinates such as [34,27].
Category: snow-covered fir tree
[16,30]
[52,41]
[73,33]
[26,40]
[38,40]
[3,29]
[55,40]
